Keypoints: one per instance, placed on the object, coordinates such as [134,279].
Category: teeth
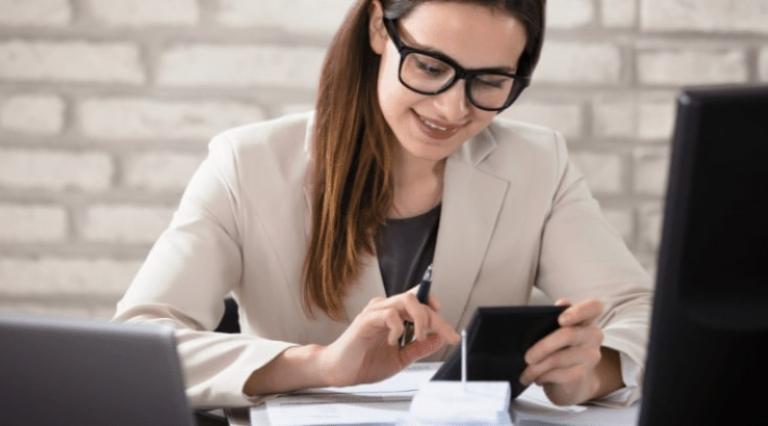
[433,125]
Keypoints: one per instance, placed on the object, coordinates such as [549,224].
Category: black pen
[421,295]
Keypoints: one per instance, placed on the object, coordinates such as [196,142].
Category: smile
[435,129]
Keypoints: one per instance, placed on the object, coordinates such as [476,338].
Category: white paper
[442,402]
[383,402]
[532,407]
[535,396]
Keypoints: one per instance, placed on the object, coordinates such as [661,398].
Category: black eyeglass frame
[520,82]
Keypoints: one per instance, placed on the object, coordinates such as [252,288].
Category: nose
[453,104]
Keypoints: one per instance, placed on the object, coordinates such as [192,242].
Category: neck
[418,185]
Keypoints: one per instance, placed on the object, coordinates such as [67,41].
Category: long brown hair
[351,170]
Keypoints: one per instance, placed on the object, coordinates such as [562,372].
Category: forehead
[475,36]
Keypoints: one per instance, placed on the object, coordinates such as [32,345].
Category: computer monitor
[708,351]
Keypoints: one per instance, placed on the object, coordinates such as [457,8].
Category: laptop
[63,371]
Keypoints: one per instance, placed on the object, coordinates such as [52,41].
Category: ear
[376,31]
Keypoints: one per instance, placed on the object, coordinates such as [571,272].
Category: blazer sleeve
[582,256]
[191,268]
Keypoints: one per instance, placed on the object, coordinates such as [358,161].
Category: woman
[321,224]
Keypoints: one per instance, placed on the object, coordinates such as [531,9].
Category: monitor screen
[709,333]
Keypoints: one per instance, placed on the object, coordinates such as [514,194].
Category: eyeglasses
[432,73]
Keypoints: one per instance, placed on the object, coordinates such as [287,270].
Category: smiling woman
[322,224]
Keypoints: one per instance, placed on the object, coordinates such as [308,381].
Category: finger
[408,306]
[432,301]
[395,325]
[564,375]
[375,301]
[561,360]
[562,302]
[585,312]
[553,342]
[419,313]
[563,338]
[421,349]
[442,328]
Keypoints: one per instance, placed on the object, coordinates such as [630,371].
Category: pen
[421,295]
[464,358]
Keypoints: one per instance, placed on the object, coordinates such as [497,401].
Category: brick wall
[106,107]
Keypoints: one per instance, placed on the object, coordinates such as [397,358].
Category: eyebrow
[417,45]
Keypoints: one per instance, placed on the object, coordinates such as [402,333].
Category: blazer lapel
[472,200]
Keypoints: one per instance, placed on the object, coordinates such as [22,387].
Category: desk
[522,415]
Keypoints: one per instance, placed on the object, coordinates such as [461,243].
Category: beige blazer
[516,214]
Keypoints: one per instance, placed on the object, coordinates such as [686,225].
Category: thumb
[419,349]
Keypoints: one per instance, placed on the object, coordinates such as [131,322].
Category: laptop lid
[66,371]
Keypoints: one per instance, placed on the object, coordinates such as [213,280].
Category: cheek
[483,118]
[479,121]
[394,98]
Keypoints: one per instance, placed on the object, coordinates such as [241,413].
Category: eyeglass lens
[427,74]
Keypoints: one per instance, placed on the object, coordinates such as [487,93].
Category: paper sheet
[534,395]
[387,401]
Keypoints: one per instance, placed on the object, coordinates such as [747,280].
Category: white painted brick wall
[763,64]
[602,170]
[126,224]
[235,66]
[579,62]
[70,61]
[618,13]
[622,221]
[656,119]
[570,13]
[35,13]
[106,107]
[54,170]
[692,65]
[160,171]
[50,275]
[709,15]
[651,216]
[566,118]
[651,168]
[32,223]
[135,118]
[34,114]
[321,17]
[143,12]
[646,119]
[85,308]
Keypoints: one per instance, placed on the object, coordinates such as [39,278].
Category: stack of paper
[445,402]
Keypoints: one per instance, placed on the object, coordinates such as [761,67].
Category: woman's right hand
[369,349]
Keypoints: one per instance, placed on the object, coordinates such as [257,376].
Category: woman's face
[433,127]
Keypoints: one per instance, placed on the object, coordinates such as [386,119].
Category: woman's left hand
[565,361]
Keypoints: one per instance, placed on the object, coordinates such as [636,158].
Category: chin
[431,151]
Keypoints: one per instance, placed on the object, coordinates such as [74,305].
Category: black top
[405,249]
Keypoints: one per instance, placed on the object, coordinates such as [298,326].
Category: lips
[436,129]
